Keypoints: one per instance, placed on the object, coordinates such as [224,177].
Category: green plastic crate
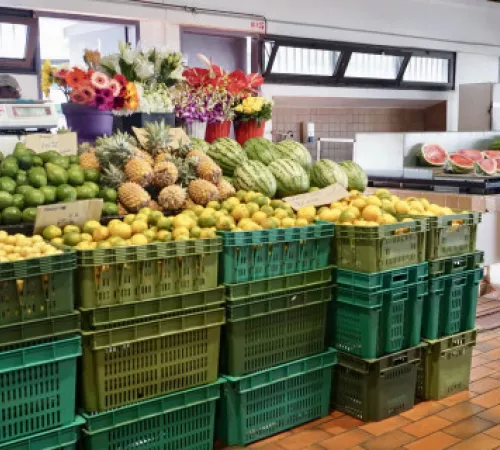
[37,388]
[451,304]
[107,277]
[37,288]
[133,363]
[63,438]
[27,333]
[180,421]
[266,330]
[108,317]
[375,389]
[388,279]
[376,249]
[254,255]
[373,324]
[446,365]
[262,404]
[455,264]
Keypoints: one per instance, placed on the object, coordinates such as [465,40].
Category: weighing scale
[21,117]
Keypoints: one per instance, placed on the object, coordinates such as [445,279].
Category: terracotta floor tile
[299,441]
[389,441]
[270,440]
[426,426]
[488,399]
[272,446]
[313,424]
[468,427]
[495,365]
[460,411]
[384,426]
[435,441]
[492,354]
[346,440]
[494,432]
[336,414]
[457,398]
[492,414]
[423,409]
[480,372]
[478,442]
[337,426]
[481,360]
[484,385]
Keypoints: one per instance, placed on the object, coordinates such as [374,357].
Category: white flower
[144,69]
[112,61]
[129,55]
[155,100]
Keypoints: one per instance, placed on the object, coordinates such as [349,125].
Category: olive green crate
[375,249]
[132,363]
[446,366]
[107,317]
[107,277]
[455,264]
[374,389]
[269,329]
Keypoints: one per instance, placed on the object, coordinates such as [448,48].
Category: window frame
[346,49]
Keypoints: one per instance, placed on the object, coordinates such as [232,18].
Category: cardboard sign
[322,197]
[65,143]
[178,136]
[71,213]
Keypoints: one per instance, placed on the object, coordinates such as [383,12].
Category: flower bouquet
[250,118]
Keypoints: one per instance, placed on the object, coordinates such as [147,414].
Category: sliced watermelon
[487,167]
[432,155]
[495,154]
[475,155]
[459,164]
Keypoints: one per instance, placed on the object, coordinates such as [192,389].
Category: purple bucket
[89,123]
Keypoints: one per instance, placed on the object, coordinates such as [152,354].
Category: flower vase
[217,130]
[250,129]
[196,129]
[88,123]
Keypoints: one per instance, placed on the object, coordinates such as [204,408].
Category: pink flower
[103,103]
[77,96]
[99,80]
[115,87]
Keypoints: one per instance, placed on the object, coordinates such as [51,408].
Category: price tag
[258,25]
[321,197]
[65,143]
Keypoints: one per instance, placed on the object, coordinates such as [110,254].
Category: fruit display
[255,176]
[325,173]
[291,177]
[18,247]
[294,151]
[228,154]
[261,149]
[432,155]
[459,164]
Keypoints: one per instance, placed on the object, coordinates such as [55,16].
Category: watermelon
[475,155]
[495,145]
[255,176]
[487,167]
[291,177]
[228,154]
[325,173]
[294,151]
[432,155]
[459,164]
[200,144]
[260,149]
[356,176]
[495,154]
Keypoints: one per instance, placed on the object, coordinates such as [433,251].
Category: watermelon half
[459,164]
[495,154]
[486,167]
[432,155]
[475,155]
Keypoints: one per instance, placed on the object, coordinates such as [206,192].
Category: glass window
[368,65]
[13,40]
[427,70]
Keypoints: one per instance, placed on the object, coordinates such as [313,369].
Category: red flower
[76,78]
[115,87]
[118,103]
[121,79]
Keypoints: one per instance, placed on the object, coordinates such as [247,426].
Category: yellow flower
[239,108]
[46,77]
[247,110]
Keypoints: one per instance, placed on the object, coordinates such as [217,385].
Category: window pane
[366,65]
[427,70]
[13,39]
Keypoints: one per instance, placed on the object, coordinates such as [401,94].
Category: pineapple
[115,150]
[157,138]
[154,206]
[87,157]
[197,154]
[133,197]
[121,210]
[138,171]
[161,157]
[172,198]
[165,174]
[209,171]
[188,204]
[112,176]
[202,192]
[226,189]
[139,153]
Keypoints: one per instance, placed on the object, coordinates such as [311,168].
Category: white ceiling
[346,102]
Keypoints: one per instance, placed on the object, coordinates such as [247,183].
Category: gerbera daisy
[121,79]
[118,103]
[75,78]
[88,92]
[78,97]
[115,87]
[99,80]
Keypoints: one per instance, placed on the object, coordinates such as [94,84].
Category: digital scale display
[40,111]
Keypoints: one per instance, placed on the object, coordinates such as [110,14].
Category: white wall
[28,85]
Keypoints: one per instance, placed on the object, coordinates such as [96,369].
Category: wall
[28,85]
[435,117]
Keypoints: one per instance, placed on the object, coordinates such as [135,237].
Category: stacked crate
[274,358]
[375,318]
[450,309]
[151,320]
[39,347]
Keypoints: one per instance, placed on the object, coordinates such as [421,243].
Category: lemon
[306,212]
[288,222]
[86,237]
[359,203]
[138,226]
[183,221]
[402,207]
[90,226]
[138,239]
[71,229]
[373,200]
[145,211]
[215,205]
[371,213]
[268,210]
[259,217]
[129,218]
[100,234]
[387,219]
[330,215]
[195,232]
[416,205]
[301,222]
[280,213]
[206,221]
[240,212]
[165,223]
[72,238]
[224,223]
[48,233]
[123,230]
[164,235]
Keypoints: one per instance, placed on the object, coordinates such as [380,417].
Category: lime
[19,148]
[71,229]
[8,185]
[108,194]
[25,162]
[73,238]
[18,201]
[11,215]
[92,174]
[154,217]
[21,178]
[83,192]
[56,174]
[66,193]
[1,156]
[37,177]
[9,167]
[29,215]
[47,156]
[109,209]
[50,194]
[5,200]
[34,198]
[73,159]
[76,176]
[62,161]
[23,189]
[93,187]
[37,161]
[165,223]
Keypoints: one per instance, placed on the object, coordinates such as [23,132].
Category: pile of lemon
[17,247]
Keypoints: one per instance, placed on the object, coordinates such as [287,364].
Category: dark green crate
[107,277]
[266,330]
[446,365]
[374,324]
[278,284]
[375,389]
[376,249]
[455,264]
[181,421]
[132,363]
[107,317]
[387,279]
[256,406]
[254,255]
[451,304]
[63,438]
[38,387]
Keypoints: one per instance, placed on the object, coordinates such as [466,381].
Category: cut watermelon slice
[432,155]
[495,154]
[475,155]
[459,164]
[487,167]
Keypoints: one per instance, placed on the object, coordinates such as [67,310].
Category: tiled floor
[469,420]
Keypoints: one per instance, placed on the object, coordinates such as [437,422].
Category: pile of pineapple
[158,175]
